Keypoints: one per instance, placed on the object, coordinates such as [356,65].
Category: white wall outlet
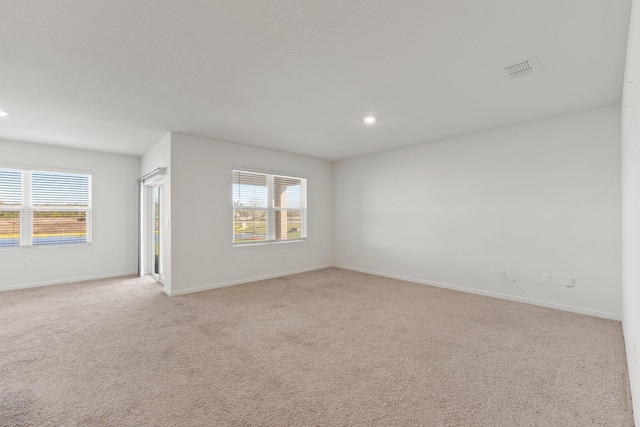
[503,274]
[546,279]
[237,263]
[568,282]
[27,266]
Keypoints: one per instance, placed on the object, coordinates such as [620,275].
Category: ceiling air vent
[522,68]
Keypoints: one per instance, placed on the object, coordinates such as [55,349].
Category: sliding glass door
[155,232]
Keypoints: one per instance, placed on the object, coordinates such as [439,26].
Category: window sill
[268,242]
[63,245]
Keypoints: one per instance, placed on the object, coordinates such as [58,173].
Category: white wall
[159,156]
[533,198]
[114,248]
[631,205]
[202,251]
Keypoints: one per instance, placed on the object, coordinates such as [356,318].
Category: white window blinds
[52,189]
[268,208]
[10,204]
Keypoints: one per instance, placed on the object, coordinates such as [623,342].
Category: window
[268,208]
[44,208]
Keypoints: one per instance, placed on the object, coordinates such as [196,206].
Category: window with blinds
[10,205]
[44,208]
[268,208]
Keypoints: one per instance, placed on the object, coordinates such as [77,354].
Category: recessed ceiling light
[369,120]
[3,114]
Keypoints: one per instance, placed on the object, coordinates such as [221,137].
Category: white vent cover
[522,68]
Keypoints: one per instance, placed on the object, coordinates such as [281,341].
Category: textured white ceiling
[296,75]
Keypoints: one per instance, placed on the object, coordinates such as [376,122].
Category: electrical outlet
[568,282]
[546,279]
[27,266]
[237,263]
[503,274]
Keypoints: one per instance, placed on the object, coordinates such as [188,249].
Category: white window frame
[26,208]
[271,209]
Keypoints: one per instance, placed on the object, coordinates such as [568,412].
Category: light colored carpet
[330,347]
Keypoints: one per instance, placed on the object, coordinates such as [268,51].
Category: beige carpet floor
[325,348]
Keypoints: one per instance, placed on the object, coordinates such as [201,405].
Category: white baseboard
[239,282]
[499,295]
[69,280]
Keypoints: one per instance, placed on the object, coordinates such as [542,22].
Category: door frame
[145,223]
